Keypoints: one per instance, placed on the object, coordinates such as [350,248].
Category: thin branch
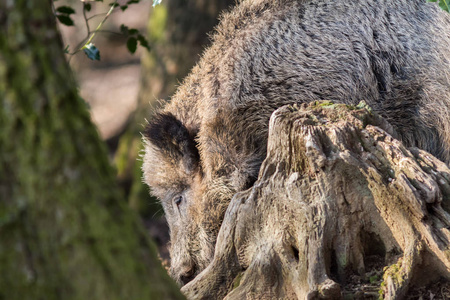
[91,34]
[109,31]
[101,23]
[85,18]
[80,44]
[98,15]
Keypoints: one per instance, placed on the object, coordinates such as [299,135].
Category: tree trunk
[177,33]
[339,202]
[65,232]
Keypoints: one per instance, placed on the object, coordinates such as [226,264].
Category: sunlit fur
[267,53]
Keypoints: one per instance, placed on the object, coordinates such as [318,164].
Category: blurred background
[123,89]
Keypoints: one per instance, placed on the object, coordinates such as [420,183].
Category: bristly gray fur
[268,53]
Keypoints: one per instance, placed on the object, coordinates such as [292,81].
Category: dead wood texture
[338,201]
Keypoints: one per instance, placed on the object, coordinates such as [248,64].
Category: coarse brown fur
[209,141]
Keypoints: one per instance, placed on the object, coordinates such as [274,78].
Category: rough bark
[65,232]
[177,31]
[338,197]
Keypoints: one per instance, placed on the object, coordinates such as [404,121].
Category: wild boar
[209,141]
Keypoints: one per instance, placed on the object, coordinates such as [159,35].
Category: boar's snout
[187,275]
[183,274]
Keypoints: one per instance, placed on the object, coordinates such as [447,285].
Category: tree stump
[339,202]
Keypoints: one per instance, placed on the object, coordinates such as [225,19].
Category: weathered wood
[336,192]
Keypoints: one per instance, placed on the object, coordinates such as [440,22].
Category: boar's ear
[173,139]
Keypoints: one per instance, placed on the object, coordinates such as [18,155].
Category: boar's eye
[177,200]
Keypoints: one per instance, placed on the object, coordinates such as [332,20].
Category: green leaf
[87,6]
[91,51]
[65,19]
[124,7]
[133,31]
[114,4]
[67,10]
[124,29]
[66,50]
[444,4]
[143,41]
[128,31]
[156,2]
[132,44]
[133,1]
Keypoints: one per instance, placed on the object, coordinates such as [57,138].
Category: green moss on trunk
[65,233]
